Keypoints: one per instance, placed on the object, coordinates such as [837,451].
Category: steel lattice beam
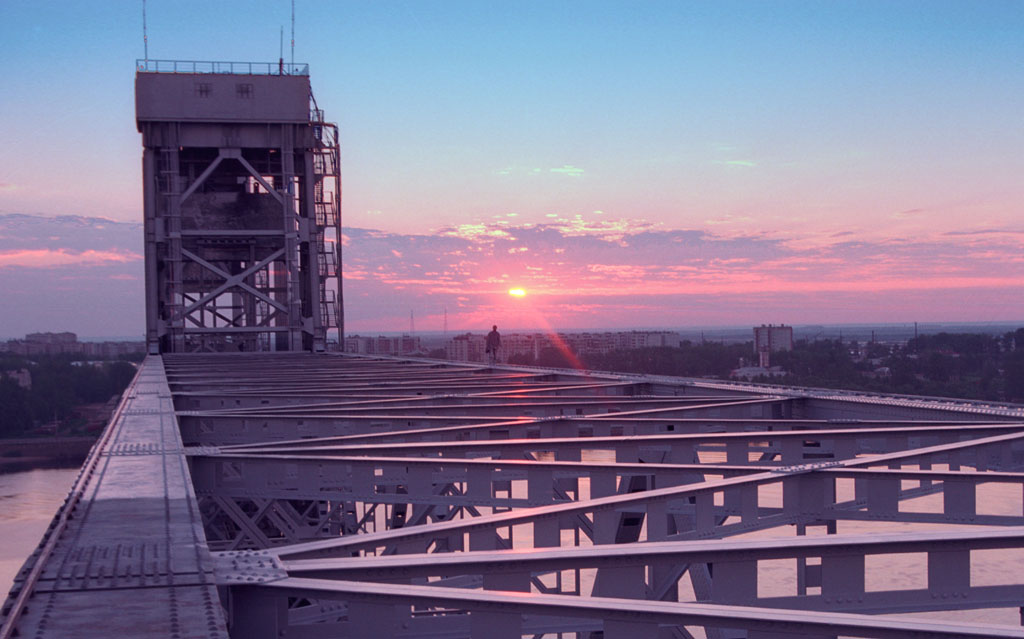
[349,496]
[682,469]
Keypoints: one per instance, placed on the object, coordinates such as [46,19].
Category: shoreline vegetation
[17,464]
[954,365]
[50,400]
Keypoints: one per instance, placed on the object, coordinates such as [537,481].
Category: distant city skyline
[626,165]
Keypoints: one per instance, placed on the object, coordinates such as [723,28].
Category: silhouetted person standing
[493,344]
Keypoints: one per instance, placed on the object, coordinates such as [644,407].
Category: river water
[28,501]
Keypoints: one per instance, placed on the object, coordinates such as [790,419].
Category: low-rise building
[770,339]
[382,345]
[68,344]
[470,348]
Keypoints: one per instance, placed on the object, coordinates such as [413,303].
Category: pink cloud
[621,273]
[54,258]
[474,232]
[607,230]
[589,273]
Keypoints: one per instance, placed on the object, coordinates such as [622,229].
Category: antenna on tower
[145,37]
[293,33]
[412,324]
[445,322]
[280,59]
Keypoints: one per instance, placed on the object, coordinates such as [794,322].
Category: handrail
[221,67]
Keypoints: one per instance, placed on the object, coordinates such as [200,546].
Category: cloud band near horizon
[577,273]
[623,273]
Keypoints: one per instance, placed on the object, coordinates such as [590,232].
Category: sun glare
[516,292]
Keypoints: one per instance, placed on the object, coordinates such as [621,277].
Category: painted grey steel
[241,187]
[353,496]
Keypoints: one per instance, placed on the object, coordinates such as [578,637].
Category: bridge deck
[312,495]
[126,555]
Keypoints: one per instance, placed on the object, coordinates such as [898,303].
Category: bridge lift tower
[242,223]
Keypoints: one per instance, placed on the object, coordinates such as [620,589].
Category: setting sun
[516,292]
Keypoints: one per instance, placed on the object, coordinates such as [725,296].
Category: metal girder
[356,498]
[201,179]
[622,618]
[236,280]
[310,462]
[416,428]
[236,154]
[504,442]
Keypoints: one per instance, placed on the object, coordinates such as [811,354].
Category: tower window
[244,90]
[203,89]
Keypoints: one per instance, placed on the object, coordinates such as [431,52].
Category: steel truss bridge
[318,495]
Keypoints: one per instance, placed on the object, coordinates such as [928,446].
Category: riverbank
[43,452]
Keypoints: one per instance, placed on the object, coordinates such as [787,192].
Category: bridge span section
[321,495]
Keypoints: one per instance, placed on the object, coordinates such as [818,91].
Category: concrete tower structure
[241,189]
[770,339]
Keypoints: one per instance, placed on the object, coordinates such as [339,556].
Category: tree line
[58,388]
[708,359]
[961,365]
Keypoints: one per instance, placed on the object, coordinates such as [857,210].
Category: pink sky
[626,273]
[651,164]
[84,274]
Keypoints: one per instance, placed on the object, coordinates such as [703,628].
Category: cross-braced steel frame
[340,496]
[242,187]
[371,497]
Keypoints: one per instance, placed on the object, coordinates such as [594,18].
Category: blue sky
[447,108]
